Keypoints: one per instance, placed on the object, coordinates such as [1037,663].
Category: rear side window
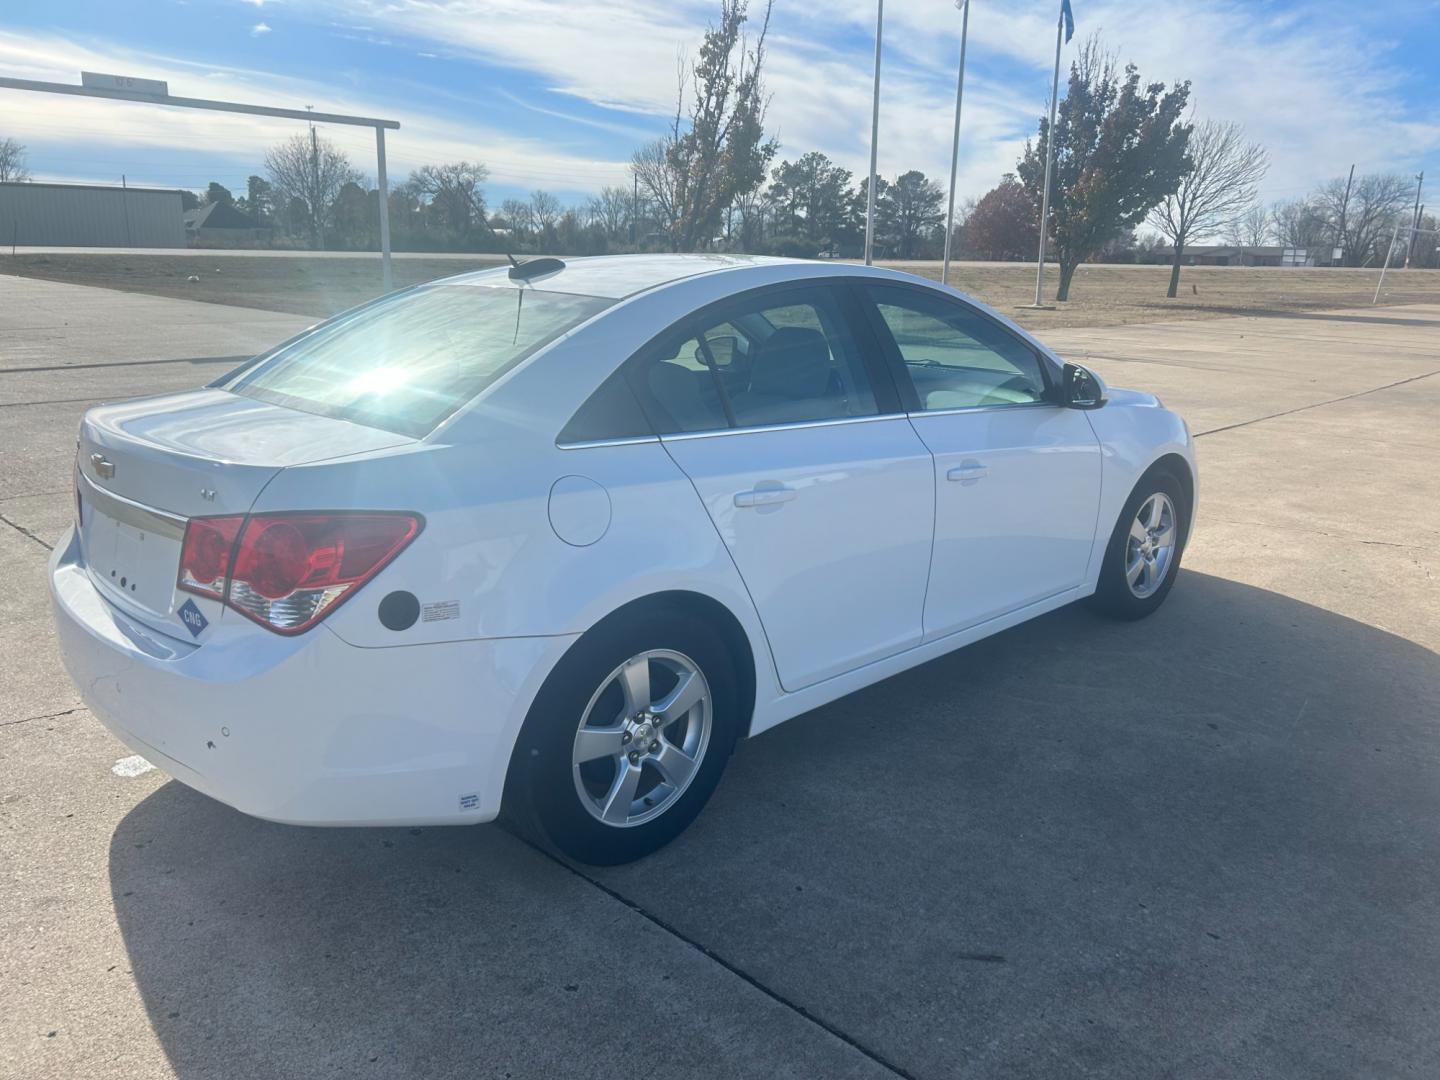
[408,363]
[767,359]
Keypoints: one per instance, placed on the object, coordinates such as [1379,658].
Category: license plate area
[130,561]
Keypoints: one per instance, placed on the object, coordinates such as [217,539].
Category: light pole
[1049,157]
[874,137]
[964,6]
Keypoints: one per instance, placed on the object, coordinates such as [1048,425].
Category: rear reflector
[288,571]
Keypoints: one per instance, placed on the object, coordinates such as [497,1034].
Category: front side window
[770,359]
[408,363]
[955,357]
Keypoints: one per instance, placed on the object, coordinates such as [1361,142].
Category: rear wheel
[1143,556]
[628,738]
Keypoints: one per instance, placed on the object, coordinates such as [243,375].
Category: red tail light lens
[288,571]
[205,555]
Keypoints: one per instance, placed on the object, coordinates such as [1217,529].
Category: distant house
[1232,255]
[219,224]
[1240,255]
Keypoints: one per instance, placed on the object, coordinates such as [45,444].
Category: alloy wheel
[1150,547]
[642,738]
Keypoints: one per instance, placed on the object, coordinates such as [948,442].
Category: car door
[811,473]
[1017,477]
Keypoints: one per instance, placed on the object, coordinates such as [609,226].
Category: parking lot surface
[1201,845]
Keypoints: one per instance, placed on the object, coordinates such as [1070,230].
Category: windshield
[406,364]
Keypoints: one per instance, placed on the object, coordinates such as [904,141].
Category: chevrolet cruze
[552,538]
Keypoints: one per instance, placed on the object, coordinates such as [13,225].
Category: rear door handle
[765,496]
[970,470]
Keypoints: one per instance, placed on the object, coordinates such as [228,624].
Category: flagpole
[964,6]
[1049,155]
[874,139]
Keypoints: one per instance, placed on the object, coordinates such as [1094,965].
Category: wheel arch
[699,605]
[1177,466]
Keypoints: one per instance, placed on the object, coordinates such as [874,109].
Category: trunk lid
[144,467]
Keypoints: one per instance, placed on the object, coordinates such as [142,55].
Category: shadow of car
[1201,843]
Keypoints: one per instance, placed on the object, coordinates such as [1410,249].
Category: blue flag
[1069,17]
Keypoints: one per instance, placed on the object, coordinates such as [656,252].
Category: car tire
[1140,568]
[590,810]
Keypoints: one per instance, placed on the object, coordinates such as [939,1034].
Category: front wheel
[1143,556]
[629,736]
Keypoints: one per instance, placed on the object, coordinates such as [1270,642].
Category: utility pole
[1344,212]
[874,137]
[634,207]
[1415,219]
[316,229]
[125,207]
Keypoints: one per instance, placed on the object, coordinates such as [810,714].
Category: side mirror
[1081,388]
[723,348]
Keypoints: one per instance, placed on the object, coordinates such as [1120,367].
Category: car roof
[618,276]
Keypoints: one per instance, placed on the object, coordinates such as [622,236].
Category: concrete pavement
[1200,845]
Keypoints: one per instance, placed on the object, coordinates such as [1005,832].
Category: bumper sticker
[193,618]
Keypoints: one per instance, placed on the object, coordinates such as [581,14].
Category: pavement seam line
[711,954]
[1318,404]
[26,532]
[46,716]
[126,363]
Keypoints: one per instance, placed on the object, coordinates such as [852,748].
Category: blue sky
[555,95]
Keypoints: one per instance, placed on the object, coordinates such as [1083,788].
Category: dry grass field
[1102,295]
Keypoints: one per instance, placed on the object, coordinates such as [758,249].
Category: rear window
[406,364]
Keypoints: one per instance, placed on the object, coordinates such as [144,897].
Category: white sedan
[552,538]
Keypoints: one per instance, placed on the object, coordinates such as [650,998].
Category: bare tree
[1367,213]
[612,210]
[12,162]
[1224,177]
[519,217]
[545,210]
[1298,223]
[310,171]
[453,191]
[1250,229]
[754,208]
[717,151]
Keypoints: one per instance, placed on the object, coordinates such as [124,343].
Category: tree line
[1134,178]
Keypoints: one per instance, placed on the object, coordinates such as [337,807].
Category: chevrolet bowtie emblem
[104,468]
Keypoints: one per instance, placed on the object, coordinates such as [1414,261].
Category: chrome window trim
[137,515]
[798,424]
[984,408]
[625,440]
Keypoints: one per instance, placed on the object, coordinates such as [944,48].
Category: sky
[556,94]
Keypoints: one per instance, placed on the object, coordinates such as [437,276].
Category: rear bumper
[308,729]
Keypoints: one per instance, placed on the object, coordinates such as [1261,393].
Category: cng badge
[193,618]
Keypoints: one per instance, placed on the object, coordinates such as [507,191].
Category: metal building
[90,215]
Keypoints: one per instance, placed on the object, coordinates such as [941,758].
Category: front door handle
[765,496]
[968,471]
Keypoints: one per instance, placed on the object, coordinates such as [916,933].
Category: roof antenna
[522,272]
[479,211]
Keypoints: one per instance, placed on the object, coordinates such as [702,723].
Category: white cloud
[1316,91]
[1319,93]
[259,28]
[94,136]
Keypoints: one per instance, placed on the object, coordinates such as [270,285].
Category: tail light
[288,571]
